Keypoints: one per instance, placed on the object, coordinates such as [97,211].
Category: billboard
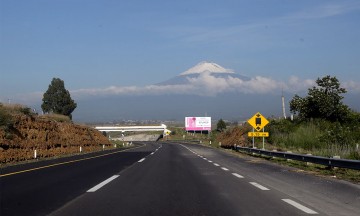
[197,123]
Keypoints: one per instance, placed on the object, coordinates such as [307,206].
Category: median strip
[299,206]
[102,184]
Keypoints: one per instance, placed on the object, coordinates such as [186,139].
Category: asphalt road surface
[171,179]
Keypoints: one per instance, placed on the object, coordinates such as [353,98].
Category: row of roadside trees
[323,124]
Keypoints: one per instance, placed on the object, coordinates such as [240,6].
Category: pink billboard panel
[197,123]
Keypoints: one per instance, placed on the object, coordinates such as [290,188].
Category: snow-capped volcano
[204,70]
[207,67]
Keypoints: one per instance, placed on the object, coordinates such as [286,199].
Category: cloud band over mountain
[205,85]
[201,80]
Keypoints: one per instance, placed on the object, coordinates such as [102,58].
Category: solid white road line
[299,206]
[259,186]
[216,164]
[97,187]
[237,175]
[224,168]
[141,160]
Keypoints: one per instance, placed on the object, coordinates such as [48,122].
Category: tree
[57,99]
[323,101]
[221,125]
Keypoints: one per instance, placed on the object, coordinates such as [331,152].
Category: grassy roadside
[313,169]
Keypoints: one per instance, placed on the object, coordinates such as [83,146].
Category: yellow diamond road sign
[258,121]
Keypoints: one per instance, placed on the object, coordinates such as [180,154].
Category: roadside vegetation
[321,125]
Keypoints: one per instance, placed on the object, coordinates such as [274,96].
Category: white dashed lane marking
[224,168]
[102,184]
[237,175]
[259,186]
[299,206]
[141,160]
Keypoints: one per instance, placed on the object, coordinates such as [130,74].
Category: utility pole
[283,103]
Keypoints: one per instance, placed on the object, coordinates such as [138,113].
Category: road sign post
[253,139]
[258,122]
[263,139]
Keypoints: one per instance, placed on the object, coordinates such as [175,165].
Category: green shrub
[354,155]
[6,120]
[25,110]
[317,136]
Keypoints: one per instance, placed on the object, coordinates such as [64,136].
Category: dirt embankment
[234,136]
[48,137]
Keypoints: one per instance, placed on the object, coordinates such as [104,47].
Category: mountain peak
[205,66]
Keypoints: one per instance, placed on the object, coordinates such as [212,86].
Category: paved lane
[329,195]
[171,179]
[176,180]
[40,188]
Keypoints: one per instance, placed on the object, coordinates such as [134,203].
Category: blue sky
[96,44]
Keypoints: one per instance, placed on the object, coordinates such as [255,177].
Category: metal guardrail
[332,162]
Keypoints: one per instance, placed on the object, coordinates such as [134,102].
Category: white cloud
[325,11]
[351,86]
[250,30]
[295,84]
[204,85]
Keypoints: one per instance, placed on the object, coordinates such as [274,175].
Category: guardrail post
[334,157]
[210,142]
[273,157]
[35,154]
[103,147]
[308,163]
[290,153]
[80,149]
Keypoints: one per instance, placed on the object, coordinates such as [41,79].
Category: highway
[170,179]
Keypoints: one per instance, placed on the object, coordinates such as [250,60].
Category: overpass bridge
[123,129]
